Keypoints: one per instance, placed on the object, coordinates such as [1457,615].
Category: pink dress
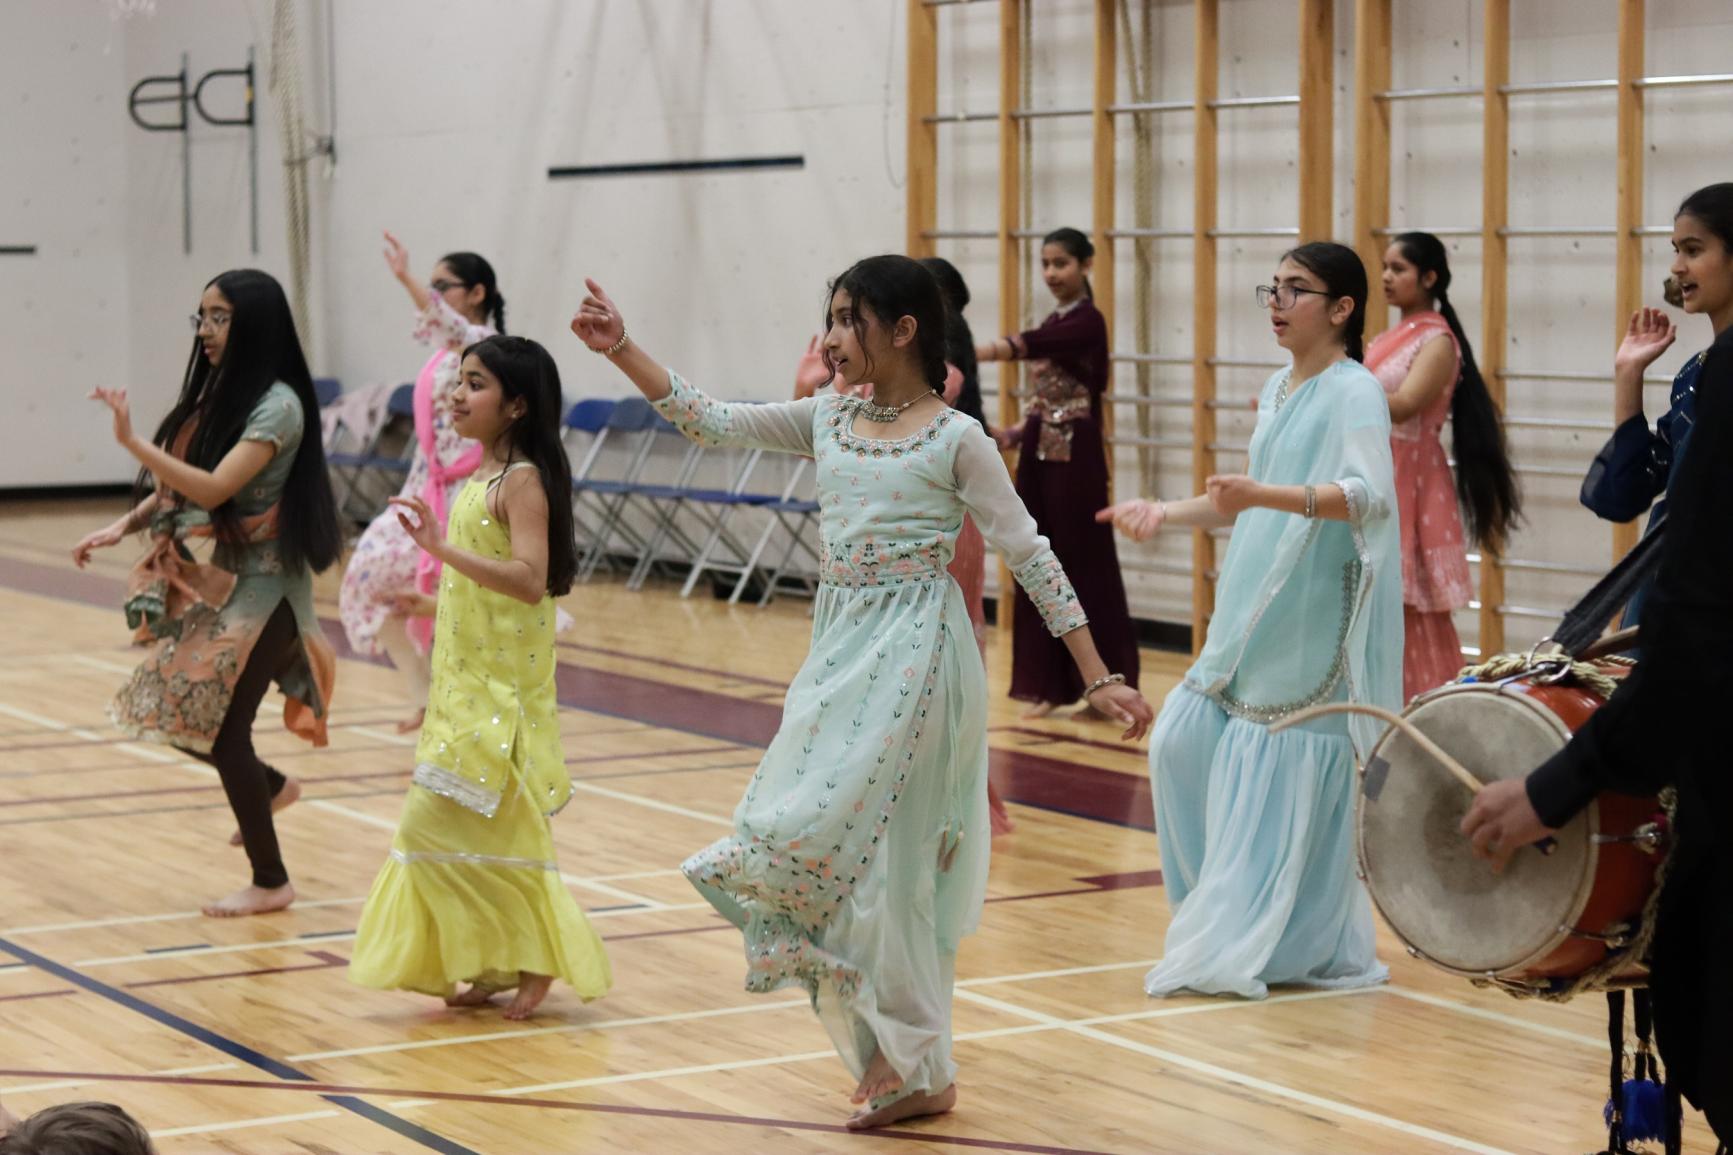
[1435,578]
[386,559]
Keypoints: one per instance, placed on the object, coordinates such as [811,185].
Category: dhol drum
[1551,918]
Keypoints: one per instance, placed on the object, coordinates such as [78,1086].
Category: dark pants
[249,783]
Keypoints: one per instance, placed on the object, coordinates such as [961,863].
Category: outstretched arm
[781,426]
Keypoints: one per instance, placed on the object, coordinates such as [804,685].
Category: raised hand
[1137,519]
[953,383]
[811,372]
[119,408]
[425,531]
[108,535]
[598,322]
[413,604]
[1649,334]
[396,257]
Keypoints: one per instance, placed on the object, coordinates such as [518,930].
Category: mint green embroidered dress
[859,854]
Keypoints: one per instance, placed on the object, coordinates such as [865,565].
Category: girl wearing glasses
[1062,476]
[231,462]
[386,602]
[1257,827]
[1427,367]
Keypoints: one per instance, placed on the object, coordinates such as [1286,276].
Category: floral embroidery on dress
[842,435]
[1044,580]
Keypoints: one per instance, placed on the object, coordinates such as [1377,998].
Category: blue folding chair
[385,457]
[326,390]
[793,514]
[606,497]
[586,419]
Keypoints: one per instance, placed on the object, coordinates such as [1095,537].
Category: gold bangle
[1311,501]
[613,349]
[1105,680]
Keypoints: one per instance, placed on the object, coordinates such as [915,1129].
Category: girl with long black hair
[232,462]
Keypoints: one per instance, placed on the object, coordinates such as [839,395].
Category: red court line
[564,1105]
[117,795]
[666,664]
[327,960]
[1066,739]
[1028,778]
[38,995]
[731,749]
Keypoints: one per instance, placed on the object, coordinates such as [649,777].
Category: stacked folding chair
[713,508]
[600,498]
[363,480]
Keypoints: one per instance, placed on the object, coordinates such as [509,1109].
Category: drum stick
[1613,643]
[1457,770]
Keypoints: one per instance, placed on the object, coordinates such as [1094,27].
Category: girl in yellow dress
[471,892]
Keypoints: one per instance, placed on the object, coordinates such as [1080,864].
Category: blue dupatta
[1311,610]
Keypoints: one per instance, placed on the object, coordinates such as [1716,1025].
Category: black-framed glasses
[1285,295]
[442,285]
[216,320]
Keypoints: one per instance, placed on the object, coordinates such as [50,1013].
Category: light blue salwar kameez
[1257,829]
[859,854]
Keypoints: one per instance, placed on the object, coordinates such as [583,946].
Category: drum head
[1423,876]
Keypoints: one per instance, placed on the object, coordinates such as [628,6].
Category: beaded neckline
[841,425]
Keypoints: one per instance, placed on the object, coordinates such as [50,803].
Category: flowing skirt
[1257,854]
[465,898]
[859,856]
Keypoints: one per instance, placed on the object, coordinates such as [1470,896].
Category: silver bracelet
[1311,501]
[616,346]
[1105,680]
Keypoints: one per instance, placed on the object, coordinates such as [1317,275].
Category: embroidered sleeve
[276,419]
[440,324]
[1044,580]
[780,426]
[985,488]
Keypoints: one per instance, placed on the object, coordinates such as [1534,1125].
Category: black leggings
[249,783]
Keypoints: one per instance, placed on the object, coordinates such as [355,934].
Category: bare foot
[412,723]
[908,1107]
[476,996]
[1038,710]
[251,900]
[531,990]
[880,1079]
[997,814]
[286,797]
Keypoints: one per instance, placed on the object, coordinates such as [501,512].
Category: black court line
[17,250]
[228,1046]
[669,167]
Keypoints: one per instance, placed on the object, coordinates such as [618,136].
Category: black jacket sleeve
[1672,710]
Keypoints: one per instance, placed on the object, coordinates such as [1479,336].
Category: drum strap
[1641,1107]
[1587,620]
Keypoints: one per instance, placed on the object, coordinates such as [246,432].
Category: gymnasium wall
[448,116]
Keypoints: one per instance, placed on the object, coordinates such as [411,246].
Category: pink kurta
[1435,578]
[385,559]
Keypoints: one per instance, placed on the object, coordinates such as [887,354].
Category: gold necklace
[885,414]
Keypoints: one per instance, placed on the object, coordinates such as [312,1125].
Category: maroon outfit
[1062,478]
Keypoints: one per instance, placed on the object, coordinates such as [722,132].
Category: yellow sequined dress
[471,891]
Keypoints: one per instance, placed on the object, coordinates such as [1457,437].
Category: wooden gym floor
[245,1036]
